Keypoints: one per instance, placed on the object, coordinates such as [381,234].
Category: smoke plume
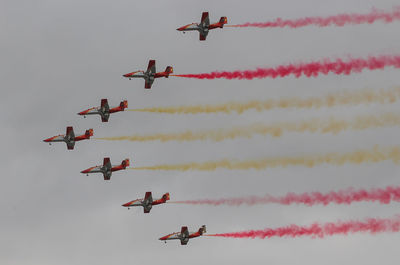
[337,20]
[313,69]
[346,98]
[330,125]
[371,225]
[347,196]
[375,155]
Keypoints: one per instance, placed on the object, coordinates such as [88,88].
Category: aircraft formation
[104,111]
[311,69]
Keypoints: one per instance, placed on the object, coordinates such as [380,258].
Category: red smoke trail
[370,225]
[348,196]
[337,20]
[312,69]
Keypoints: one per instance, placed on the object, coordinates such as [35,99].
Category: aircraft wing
[107,163]
[147,202]
[205,20]
[107,176]
[105,109]
[70,145]
[148,84]
[104,105]
[203,35]
[184,235]
[148,197]
[70,132]
[151,68]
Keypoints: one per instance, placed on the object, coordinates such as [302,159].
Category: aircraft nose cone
[126,75]
[126,204]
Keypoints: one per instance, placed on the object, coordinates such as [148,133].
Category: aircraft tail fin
[169,70]
[89,133]
[202,230]
[222,22]
[125,163]
[124,104]
[166,197]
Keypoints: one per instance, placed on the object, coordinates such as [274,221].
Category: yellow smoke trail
[375,155]
[330,125]
[347,98]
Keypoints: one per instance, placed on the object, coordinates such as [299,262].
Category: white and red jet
[106,169]
[147,202]
[184,235]
[104,110]
[150,74]
[69,138]
[204,26]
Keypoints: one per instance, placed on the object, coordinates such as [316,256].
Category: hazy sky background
[61,57]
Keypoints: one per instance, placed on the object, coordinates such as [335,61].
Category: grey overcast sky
[60,57]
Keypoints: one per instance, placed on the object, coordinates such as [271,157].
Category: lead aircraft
[147,202]
[204,26]
[69,138]
[104,110]
[106,169]
[184,235]
[150,74]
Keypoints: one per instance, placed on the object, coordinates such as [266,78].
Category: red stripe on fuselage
[88,170]
[116,109]
[81,137]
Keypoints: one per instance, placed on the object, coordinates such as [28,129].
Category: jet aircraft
[184,235]
[204,26]
[147,202]
[104,110]
[150,74]
[69,138]
[106,169]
